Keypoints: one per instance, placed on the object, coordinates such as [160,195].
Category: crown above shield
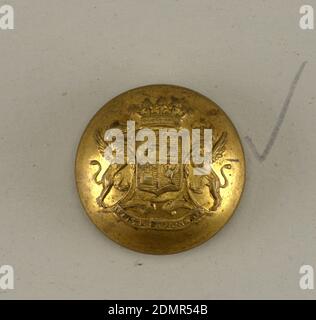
[162,112]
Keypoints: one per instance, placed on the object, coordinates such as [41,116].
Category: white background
[65,59]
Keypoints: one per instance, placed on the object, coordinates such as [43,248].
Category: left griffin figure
[111,177]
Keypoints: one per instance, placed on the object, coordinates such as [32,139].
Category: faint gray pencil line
[276,129]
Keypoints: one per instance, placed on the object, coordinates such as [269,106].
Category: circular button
[160,169]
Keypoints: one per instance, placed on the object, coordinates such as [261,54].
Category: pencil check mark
[262,156]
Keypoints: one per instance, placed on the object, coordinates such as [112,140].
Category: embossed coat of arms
[160,196]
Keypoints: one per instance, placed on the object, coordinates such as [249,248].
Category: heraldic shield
[158,179]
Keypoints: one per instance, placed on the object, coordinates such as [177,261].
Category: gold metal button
[153,192]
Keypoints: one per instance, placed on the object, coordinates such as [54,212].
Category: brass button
[160,169]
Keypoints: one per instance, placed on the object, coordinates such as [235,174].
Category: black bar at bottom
[151,309]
